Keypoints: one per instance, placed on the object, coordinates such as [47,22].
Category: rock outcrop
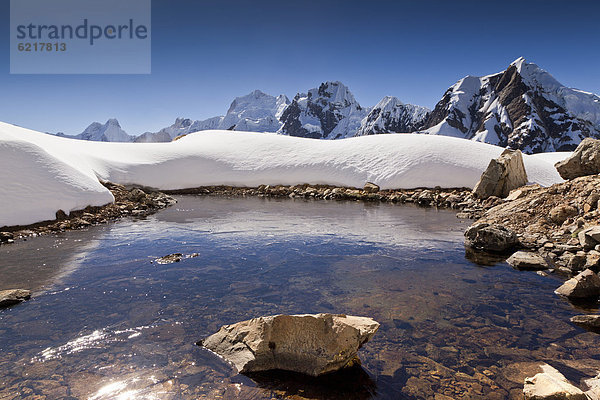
[309,344]
[135,201]
[490,237]
[560,222]
[502,175]
[585,160]
[585,285]
[551,385]
[13,296]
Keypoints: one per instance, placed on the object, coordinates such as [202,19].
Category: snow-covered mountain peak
[519,63]
[523,107]
[332,92]
[391,115]
[329,111]
[113,122]
[256,111]
[111,131]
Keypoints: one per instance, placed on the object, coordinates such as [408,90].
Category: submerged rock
[13,296]
[169,259]
[585,285]
[551,385]
[312,344]
[591,322]
[6,237]
[527,261]
[585,160]
[502,175]
[490,237]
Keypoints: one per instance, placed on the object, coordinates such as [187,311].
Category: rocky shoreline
[453,198]
[128,202]
[141,202]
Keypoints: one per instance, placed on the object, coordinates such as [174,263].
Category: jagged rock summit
[392,115]
[327,112]
[523,108]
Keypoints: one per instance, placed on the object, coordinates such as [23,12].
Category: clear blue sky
[205,53]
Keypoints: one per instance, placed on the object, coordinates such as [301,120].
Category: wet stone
[13,296]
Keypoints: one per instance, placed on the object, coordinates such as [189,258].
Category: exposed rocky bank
[128,202]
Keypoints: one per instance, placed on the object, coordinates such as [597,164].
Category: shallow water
[107,323]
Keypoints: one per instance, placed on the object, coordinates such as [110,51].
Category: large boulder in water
[312,344]
[502,175]
[494,238]
[551,385]
[585,160]
[586,285]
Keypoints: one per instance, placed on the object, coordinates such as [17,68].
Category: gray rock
[502,175]
[583,286]
[589,237]
[591,322]
[527,261]
[311,344]
[551,385]
[490,237]
[371,188]
[13,296]
[585,160]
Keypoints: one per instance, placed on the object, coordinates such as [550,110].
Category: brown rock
[585,160]
[583,286]
[502,175]
[13,296]
[371,188]
[561,213]
[527,261]
[310,344]
[591,322]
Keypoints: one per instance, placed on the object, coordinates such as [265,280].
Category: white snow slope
[44,173]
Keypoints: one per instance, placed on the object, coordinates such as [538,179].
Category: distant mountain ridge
[522,107]
[111,131]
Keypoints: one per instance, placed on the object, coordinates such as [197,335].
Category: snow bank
[237,159]
[34,184]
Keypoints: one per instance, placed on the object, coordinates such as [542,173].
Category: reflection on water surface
[107,323]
